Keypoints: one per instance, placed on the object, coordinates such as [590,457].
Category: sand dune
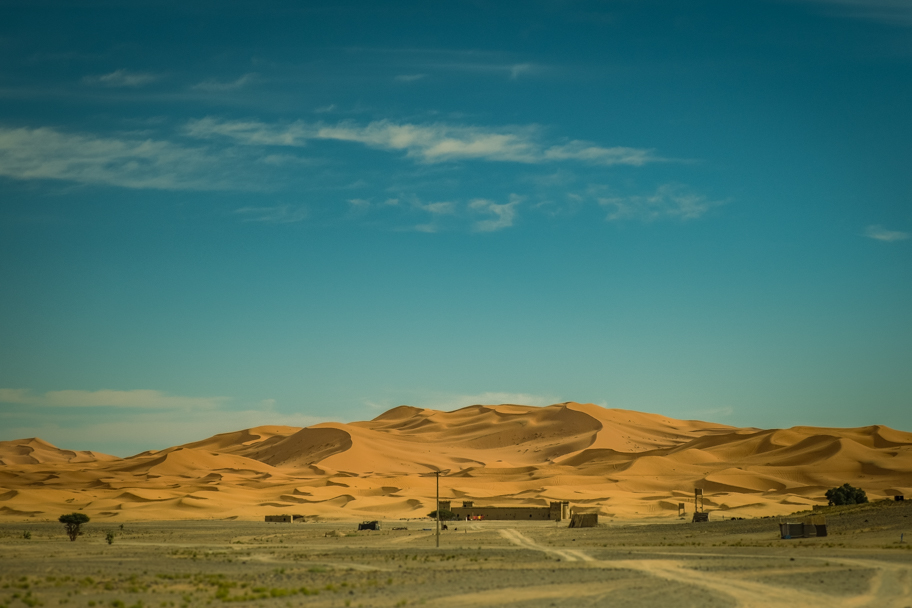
[241,442]
[622,463]
[37,451]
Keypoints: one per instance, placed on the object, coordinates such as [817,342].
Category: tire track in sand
[891,587]
[520,595]
[521,540]
[747,594]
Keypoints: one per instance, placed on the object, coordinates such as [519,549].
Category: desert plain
[490,563]
[187,521]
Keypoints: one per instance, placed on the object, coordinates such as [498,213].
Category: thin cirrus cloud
[430,143]
[503,214]
[217,86]
[280,214]
[125,430]
[46,153]
[880,233]
[438,208]
[148,399]
[519,69]
[895,12]
[409,77]
[452,60]
[122,78]
[513,71]
[669,201]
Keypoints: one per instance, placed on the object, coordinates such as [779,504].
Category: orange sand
[625,464]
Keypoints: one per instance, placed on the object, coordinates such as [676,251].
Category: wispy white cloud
[504,214]
[438,208]
[251,132]
[280,214]
[217,86]
[882,234]
[598,155]
[435,143]
[896,12]
[108,398]
[429,143]
[717,412]
[518,69]
[285,160]
[122,78]
[130,430]
[409,77]
[45,153]
[513,71]
[429,228]
[457,60]
[669,201]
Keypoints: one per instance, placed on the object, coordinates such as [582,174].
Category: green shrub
[444,515]
[73,522]
[109,537]
[846,495]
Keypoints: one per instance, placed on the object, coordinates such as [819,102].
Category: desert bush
[73,523]
[444,515]
[27,535]
[846,495]
[109,537]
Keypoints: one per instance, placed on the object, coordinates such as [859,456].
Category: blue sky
[229,214]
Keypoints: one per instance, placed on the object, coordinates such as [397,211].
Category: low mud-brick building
[557,511]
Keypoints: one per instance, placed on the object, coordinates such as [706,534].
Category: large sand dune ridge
[624,464]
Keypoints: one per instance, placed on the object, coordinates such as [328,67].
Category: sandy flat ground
[720,563]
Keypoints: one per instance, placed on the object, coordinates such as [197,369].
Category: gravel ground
[209,563]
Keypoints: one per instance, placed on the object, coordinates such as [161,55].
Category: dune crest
[37,451]
[626,464]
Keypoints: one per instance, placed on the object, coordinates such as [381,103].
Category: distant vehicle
[369,525]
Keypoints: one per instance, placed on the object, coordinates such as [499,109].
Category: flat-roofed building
[556,511]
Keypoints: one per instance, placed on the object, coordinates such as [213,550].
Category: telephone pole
[438,509]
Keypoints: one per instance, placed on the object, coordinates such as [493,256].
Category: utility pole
[438,509]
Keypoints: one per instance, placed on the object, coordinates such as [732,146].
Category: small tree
[110,536]
[846,495]
[444,515]
[73,521]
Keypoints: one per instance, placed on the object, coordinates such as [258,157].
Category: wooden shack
[813,526]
